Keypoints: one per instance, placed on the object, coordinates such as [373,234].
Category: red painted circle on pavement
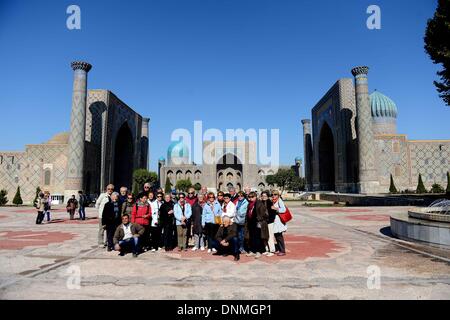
[336,210]
[12,240]
[370,217]
[297,248]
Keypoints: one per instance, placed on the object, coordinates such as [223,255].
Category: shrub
[420,186]
[3,198]
[392,188]
[168,186]
[17,198]
[437,188]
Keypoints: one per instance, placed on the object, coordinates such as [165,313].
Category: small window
[396,146]
[47,177]
[397,171]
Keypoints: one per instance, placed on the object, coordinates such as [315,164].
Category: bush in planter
[420,186]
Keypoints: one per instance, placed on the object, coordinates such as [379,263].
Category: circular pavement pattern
[298,247]
[13,240]
[370,217]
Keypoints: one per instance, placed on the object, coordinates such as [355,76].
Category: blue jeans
[130,243]
[240,233]
[48,215]
[82,213]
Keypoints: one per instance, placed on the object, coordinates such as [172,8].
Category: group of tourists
[224,223]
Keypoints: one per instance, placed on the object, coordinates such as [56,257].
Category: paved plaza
[331,251]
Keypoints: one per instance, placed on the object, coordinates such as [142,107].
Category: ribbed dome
[60,138]
[382,106]
[177,149]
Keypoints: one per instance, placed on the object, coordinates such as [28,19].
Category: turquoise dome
[298,159]
[177,149]
[382,106]
[162,159]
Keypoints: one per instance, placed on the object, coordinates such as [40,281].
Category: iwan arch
[351,143]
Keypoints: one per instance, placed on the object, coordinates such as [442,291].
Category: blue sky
[232,64]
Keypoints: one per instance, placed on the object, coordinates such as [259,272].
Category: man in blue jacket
[182,212]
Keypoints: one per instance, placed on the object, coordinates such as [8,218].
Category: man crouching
[127,236]
[227,238]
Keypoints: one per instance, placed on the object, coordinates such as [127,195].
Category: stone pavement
[331,253]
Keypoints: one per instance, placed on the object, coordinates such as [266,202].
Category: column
[367,182]
[307,153]
[144,143]
[75,155]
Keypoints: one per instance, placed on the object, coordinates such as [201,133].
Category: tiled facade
[333,161]
[110,126]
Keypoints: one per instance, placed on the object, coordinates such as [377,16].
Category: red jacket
[138,213]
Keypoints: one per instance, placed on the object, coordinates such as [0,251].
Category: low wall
[412,229]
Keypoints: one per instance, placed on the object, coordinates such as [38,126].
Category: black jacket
[164,218]
[196,218]
[227,233]
[109,217]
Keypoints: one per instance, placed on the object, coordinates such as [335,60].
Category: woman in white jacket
[278,226]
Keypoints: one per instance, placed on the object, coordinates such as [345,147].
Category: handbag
[286,216]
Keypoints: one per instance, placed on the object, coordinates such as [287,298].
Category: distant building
[233,164]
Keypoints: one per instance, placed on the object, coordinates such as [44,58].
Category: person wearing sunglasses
[197,229]
[256,231]
[211,210]
[241,214]
[167,222]
[278,226]
[182,212]
[191,199]
[103,199]
[270,244]
[127,206]
[155,229]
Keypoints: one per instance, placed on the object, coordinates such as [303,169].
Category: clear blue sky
[233,64]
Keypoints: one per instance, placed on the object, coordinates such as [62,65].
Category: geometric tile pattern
[432,160]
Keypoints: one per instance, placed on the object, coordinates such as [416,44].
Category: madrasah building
[106,142]
[351,144]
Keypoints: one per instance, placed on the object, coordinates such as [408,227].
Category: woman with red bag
[278,226]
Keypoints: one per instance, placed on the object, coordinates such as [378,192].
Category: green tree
[197,186]
[297,184]
[17,198]
[392,188]
[183,185]
[283,178]
[438,48]
[3,198]
[142,176]
[420,186]
[168,186]
[437,188]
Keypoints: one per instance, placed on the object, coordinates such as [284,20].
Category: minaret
[367,182]
[144,143]
[307,152]
[75,155]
